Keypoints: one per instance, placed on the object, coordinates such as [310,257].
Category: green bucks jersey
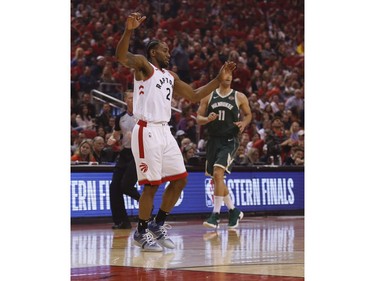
[226,107]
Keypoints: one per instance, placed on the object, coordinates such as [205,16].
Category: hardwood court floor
[262,248]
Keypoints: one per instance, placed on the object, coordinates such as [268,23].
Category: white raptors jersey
[152,97]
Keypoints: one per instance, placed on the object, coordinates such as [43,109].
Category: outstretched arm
[123,55]
[186,91]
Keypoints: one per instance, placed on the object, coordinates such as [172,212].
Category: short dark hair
[276,117]
[151,45]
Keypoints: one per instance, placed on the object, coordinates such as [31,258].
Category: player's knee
[183,183]
[218,175]
[150,189]
[180,183]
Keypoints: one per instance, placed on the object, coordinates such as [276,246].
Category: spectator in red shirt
[214,64]
[196,65]
[203,80]
[242,77]
[123,76]
[83,153]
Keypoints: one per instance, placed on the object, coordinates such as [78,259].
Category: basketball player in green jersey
[221,112]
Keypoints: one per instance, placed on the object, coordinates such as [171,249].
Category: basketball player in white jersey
[157,156]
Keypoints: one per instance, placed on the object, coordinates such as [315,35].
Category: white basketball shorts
[157,156]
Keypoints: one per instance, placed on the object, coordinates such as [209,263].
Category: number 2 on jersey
[169,93]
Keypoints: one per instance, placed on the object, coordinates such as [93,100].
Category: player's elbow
[121,59]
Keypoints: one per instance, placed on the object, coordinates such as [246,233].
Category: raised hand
[134,20]
[226,70]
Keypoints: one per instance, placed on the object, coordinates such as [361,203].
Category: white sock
[228,202]
[218,200]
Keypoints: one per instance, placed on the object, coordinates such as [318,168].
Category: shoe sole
[161,241]
[240,216]
[166,245]
[160,249]
[210,225]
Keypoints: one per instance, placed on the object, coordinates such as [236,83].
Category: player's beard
[162,63]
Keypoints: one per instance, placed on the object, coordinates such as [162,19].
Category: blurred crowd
[265,39]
